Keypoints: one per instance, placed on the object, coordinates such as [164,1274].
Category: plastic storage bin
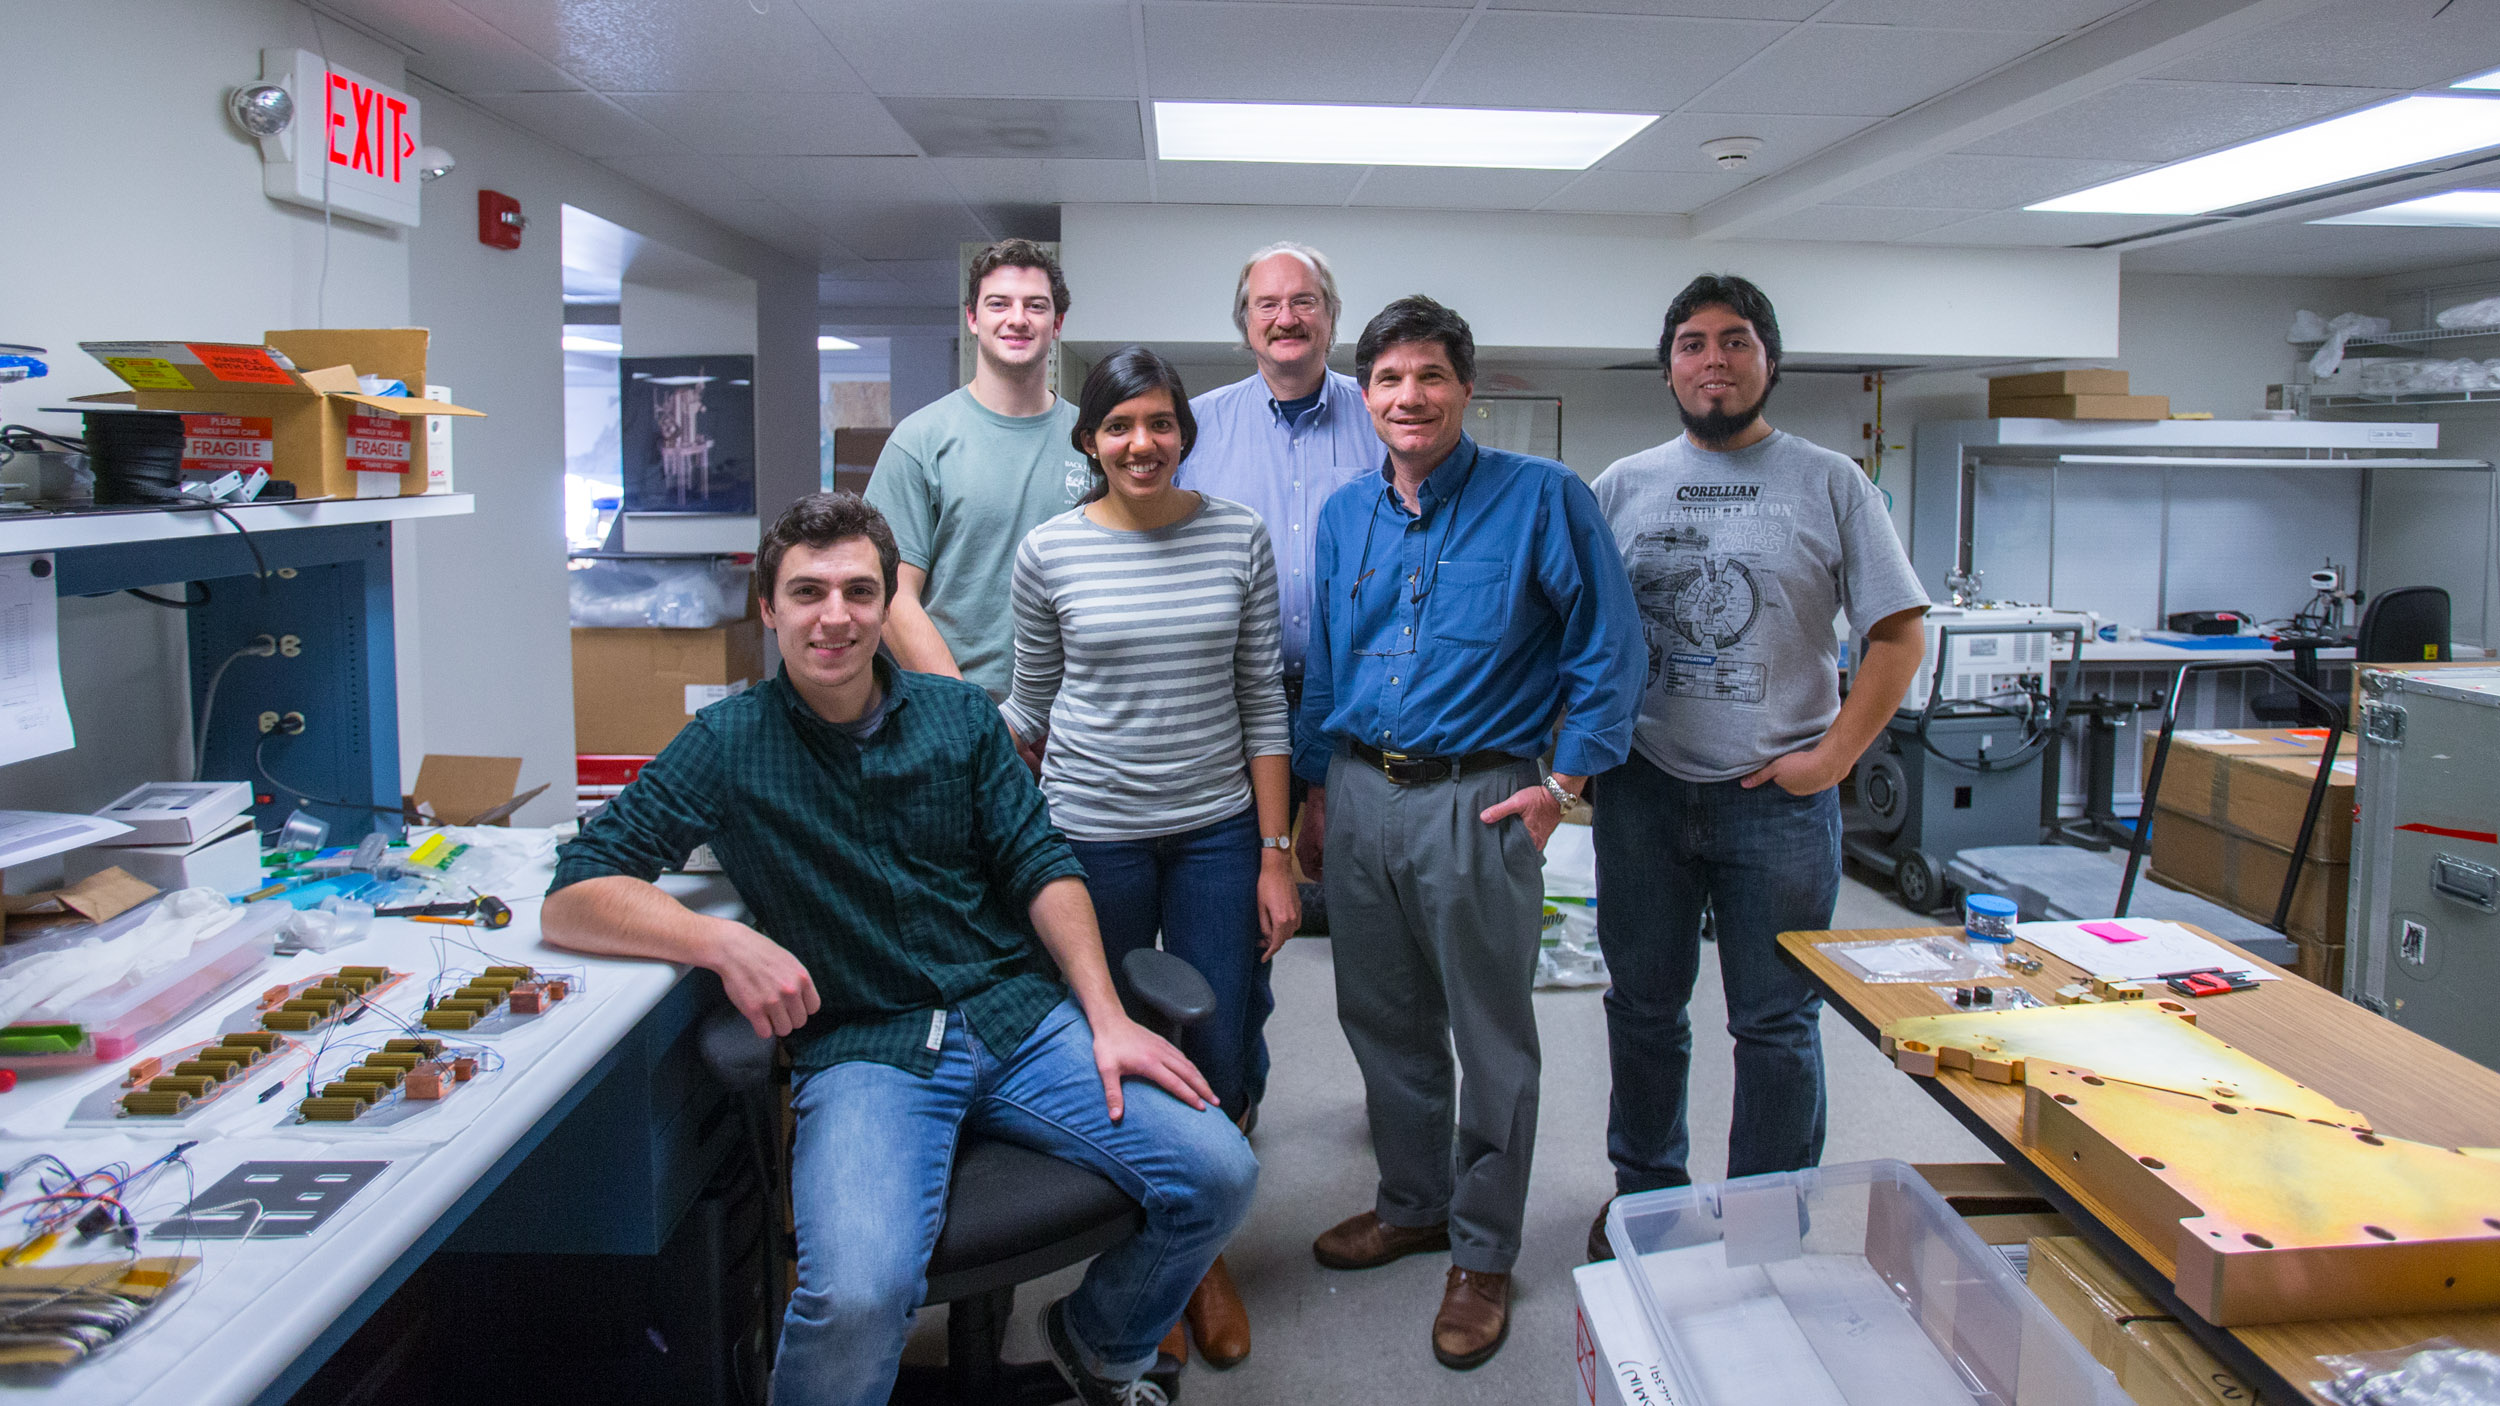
[121,1017]
[1852,1285]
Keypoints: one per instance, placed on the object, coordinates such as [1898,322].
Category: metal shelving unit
[328,583]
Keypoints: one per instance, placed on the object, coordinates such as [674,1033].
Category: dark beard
[1720,426]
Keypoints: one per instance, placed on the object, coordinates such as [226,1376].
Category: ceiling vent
[1100,129]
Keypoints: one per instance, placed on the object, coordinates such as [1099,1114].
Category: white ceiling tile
[1644,192]
[1254,183]
[1000,181]
[985,48]
[456,49]
[2047,16]
[1460,188]
[773,124]
[693,180]
[1689,9]
[929,280]
[870,290]
[1673,142]
[884,207]
[2359,43]
[2317,251]
[2152,121]
[765,221]
[649,46]
[1621,63]
[582,122]
[2042,228]
[1267,53]
[1855,223]
[1960,182]
[1024,129]
[1867,70]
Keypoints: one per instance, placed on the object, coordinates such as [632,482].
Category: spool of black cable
[136,454]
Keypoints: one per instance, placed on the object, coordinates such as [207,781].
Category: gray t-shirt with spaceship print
[1740,562]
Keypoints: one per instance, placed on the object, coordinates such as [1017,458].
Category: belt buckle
[1405,770]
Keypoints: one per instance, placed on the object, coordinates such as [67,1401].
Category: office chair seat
[1013,1214]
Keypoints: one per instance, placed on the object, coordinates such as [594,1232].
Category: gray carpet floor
[1321,1336]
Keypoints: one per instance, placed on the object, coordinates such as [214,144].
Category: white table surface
[2156,652]
[237,1321]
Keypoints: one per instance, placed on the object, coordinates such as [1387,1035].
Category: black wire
[26,439]
[304,797]
[260,566]
[186,603]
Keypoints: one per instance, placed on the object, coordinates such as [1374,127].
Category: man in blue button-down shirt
[1465,599]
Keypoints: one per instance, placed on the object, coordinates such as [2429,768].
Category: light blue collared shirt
[1284,471]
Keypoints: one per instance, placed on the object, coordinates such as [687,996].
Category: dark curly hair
[1016,254]
[1416,318]
[820,520]
[1737,295]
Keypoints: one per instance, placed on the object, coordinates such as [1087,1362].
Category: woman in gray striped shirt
[1147,653]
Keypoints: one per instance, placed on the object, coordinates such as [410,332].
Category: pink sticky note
[2111,932]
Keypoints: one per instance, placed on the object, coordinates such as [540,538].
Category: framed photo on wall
[689,430]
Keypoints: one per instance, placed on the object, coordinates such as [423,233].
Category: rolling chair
[2408,625]
[1012,1214]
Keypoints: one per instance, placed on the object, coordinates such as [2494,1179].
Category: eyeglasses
[1303,305]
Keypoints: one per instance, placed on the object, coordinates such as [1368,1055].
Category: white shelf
[2414,338]
[60,532]
[2401,402]
[2080,435]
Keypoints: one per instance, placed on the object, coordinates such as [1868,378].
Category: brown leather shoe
[1600,1248]
[1217,1319]
[1368,1242]
[1172,1354]
[1474,1319]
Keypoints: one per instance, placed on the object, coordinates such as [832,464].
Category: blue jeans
[1765,862]
[1200,889]
[876,1149]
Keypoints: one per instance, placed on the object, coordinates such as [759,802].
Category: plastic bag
[337,922]
[2307,326]
[670,593]
[58,979]
[1567,952]
[2482,312]
[2435,1372]
[2342,328]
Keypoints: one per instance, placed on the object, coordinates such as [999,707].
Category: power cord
[262,646]
[260,767]
[186,603]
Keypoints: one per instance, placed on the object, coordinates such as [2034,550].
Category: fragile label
[245,365]
[380,444]
[217,444]
[147,373]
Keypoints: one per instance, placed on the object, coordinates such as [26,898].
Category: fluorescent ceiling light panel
[1317,134]
[2453,209]
[2483,81]
[2383,138]
[835,344]
[574,341]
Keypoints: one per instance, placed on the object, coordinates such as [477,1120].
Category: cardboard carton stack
[634,689]
[2227,816]
[2154,1359]
[2071,395]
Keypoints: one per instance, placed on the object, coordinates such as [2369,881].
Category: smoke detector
[1732,153]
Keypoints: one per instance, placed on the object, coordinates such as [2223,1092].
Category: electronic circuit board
[499,999]
[409,1075]
[308,1008]
[174,1087]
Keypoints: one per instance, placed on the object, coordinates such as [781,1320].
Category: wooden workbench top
[2410,1087]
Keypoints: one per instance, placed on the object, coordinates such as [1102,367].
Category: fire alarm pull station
[499,220]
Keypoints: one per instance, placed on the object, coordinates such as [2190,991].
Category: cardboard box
[633,689]
[2091,381]
[2319,963]
[323,434]
[228,862]
[178,813]
[2245,875]
[2079,407]
[2256,784]
[466,791]
[2155,1360]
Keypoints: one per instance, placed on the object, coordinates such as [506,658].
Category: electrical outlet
[292,646]
[292,724]
[268,722]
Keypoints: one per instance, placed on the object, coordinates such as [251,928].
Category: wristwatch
[1284,842]
[1561,793]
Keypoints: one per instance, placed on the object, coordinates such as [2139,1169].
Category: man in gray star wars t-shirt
[1743,543]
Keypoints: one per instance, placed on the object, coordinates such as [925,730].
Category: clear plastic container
[1988,926]
[1852,1285]
[124,1016]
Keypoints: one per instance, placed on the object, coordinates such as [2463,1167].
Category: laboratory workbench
[2409,1086]
[260,1315]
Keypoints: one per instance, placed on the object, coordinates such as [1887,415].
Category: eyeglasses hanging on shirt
[1422,588]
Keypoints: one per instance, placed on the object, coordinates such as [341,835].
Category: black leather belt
[1403,770]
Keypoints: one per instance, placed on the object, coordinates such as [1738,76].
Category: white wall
[1584,287]
[139,213]
[491,648]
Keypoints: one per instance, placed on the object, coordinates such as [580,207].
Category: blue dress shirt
[1468,627]
[1284,470]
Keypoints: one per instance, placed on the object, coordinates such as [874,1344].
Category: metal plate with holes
[2275,1219]
[270,1201]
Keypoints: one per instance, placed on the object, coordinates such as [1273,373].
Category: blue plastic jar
[1989,918]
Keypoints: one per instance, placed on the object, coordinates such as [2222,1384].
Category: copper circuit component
[394,1059]
[486,991]
[288,1020]
[144,1070]
[368,973]
[276,995]
[480,1009]
[148,1103]
[516,973]
[217,1069]
[261,1040]
[311,1005]
[425,1082]
[527,1000]
[384,1075]
[329,1110]
[348,1088]
[464,1069]
[557,990]
[499,983]
[193,1085]
[425,1045]
[440,1019]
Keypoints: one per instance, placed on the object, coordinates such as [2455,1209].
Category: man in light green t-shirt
[964,478]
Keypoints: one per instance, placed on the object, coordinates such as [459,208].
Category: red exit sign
[368,128]
[353,146]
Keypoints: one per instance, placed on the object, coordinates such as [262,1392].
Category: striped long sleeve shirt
[1151,659]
